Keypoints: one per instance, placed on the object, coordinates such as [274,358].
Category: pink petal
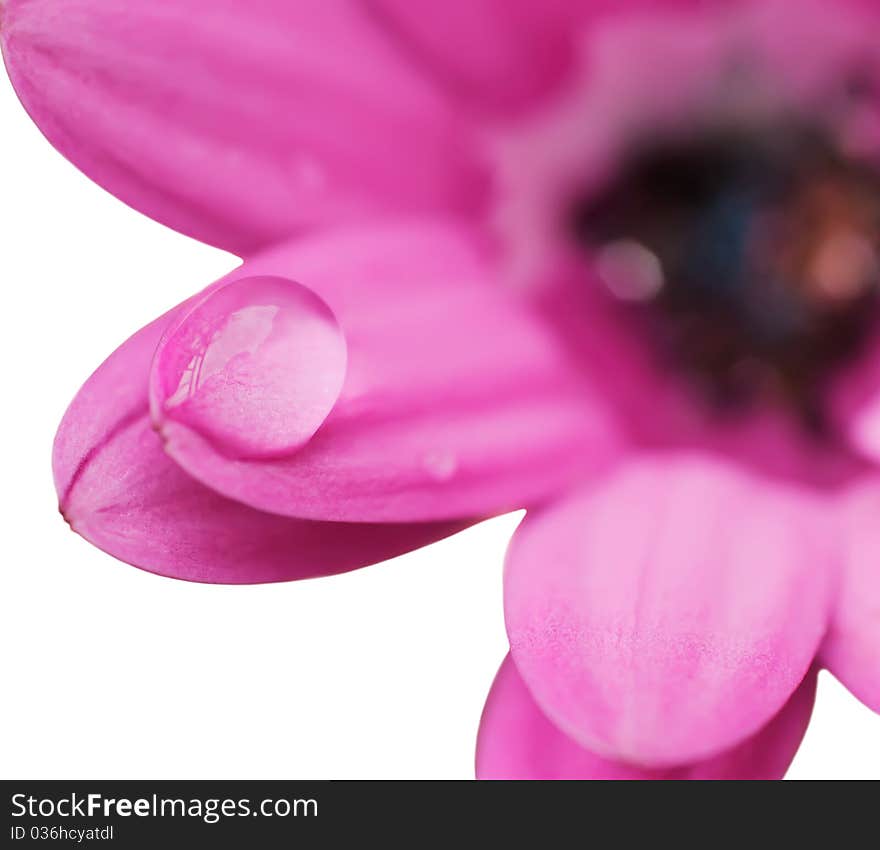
[516,741]
[255,366]
[852,646]
[120,491]
[239,123]
[496,53]
[502,55]
[667,613]
[457,400]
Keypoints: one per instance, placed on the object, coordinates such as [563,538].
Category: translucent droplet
[629,270]
[441,465]
[255,367]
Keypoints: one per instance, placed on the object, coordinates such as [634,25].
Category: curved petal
[852,646]
[502,55]
[516,741]
[239,123]
[119,490]
[497,54]
[457,400]
[667,613]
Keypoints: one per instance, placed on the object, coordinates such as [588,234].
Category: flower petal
[239,123]
[852,646]
[667,613]
[516,741]
[502,55]
[496,53]
[120,491]
[457,400]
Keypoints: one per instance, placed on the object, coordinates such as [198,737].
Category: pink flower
[617,263]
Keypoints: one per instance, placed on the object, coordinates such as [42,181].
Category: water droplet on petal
[630,271]
[255,366]
[441,465]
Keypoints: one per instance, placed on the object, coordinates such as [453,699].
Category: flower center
[751,254]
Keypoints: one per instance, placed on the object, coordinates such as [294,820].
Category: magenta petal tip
[517,741]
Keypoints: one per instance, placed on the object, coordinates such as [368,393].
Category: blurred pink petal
[516,741]
[852,646]
[496,54]
[120,491]
[502,55]
[457,400]
[255,366]
[239,123]
[666,614]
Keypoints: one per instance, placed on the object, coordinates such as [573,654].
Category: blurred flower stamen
[753,254]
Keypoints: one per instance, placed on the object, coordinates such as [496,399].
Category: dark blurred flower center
[751,254]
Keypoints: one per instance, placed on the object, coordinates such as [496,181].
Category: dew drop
[440,465]
[629,270]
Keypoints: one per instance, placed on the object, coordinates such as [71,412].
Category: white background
[110,672]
